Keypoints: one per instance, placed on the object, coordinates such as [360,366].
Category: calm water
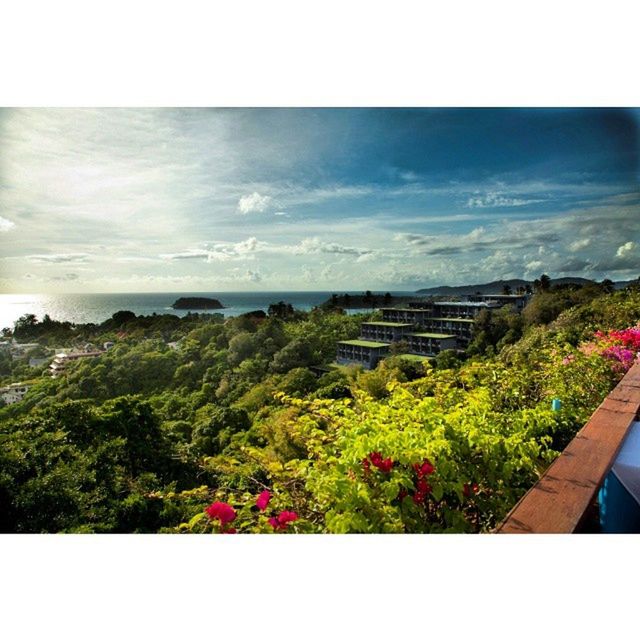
[98,307]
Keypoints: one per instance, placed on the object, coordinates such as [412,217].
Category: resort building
[385,331]
[14,392]
[365,352]
[430,344]
[519,300]
[427,327]
[411,316]
[61,361]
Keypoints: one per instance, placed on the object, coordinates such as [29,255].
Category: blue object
[556,404]
[619,496]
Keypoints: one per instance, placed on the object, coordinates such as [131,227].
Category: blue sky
[303,199]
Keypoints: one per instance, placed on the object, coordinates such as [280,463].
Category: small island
[197,303]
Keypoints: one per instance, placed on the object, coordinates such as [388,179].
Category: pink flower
[283,520]
[221,511]
[263,500]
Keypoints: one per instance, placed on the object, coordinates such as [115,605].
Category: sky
[135,200]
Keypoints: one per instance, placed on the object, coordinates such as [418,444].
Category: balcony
[577,490]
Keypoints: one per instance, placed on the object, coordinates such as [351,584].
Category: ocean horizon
[80,308]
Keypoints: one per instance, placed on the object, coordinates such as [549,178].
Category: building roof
[455,319]
[402,309]
[389,324]
[365,343]
[440,336]
[456,303]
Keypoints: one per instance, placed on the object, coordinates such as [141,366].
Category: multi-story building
[14,392]
[407,316]
[426,326]
[385,331]
[60,362]
[518,299]
[430,344]
[365,352]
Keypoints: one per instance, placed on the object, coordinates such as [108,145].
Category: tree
[543,283]
[607,286]
[216,426]
[506,290]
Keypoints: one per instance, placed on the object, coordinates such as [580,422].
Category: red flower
[467,490]
[232,530]
[423,486]
[222,511]
[418,498]
[263,500]
[366,466]
[376,458]
[384,465]
[283,520]
[402,494]
[424,469]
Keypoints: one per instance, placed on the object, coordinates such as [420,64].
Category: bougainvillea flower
[262,501]
[283,520]
[423,486]
[366,465]
[424,469]
[286,517]
[221,511]
[384,465]
[468,489]
[231,530]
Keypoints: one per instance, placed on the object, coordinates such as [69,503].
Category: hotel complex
[425,328]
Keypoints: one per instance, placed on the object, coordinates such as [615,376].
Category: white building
[14,392]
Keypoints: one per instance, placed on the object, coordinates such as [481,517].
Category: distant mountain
[498,285]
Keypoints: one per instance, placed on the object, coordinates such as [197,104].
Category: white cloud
[625,249]
[316,245]
[496,199]
[59,258]
[577,245]
[253,203]
[6,225]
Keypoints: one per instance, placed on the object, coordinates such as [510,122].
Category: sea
[80,308]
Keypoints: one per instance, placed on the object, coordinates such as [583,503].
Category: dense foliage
[198,424]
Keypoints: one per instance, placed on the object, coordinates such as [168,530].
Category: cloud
[315,245]
[577,245]
[67,277]
[60,258]
[6,225]
[496,199]
[625,249]
[186,255]
[253,203]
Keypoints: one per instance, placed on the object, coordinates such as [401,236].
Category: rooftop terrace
[382,323]
[365,343]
